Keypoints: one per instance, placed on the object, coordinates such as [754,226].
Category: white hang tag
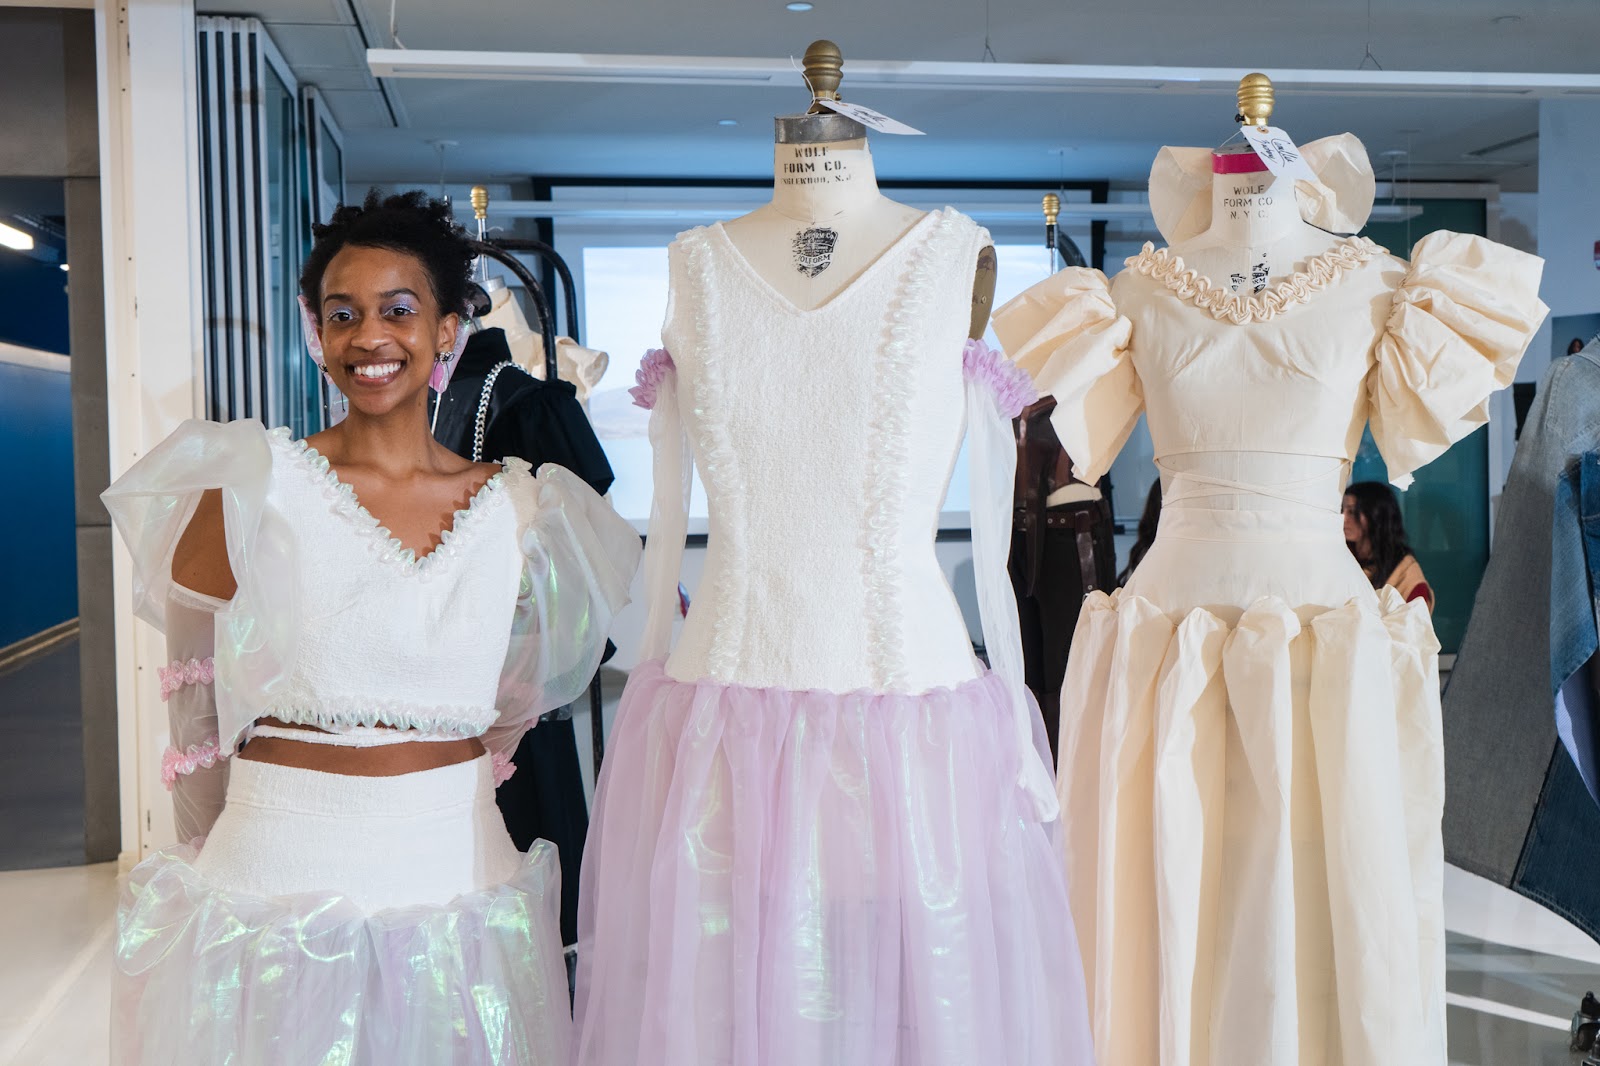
[1279,152]
[869,118]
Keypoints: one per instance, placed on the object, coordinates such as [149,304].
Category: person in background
[1147,531]
[1575,346]
[1376,533]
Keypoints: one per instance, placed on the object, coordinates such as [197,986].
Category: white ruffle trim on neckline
[1242,309]
[385,544]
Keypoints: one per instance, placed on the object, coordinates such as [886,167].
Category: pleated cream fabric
[1251,774]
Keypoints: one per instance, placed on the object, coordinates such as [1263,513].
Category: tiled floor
[1516,972]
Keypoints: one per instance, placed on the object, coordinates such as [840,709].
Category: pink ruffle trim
[502,768]
[653,370]
[180,673]
[175,763]
[1013,389]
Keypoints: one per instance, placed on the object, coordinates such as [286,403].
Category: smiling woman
[368,623]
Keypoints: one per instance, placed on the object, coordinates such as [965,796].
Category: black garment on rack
[540,422]
[1059,555]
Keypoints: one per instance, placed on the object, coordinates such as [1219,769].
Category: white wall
[1567,217]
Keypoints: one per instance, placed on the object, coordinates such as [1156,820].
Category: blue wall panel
[37,537]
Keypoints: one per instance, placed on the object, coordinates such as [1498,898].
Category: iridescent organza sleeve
[997,391]
[579,557]
[194,767]
[152,504]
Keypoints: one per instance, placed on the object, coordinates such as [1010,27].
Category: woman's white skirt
[339,919]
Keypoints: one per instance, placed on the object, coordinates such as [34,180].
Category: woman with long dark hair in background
[1376,533]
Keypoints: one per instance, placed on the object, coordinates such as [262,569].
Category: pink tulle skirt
[777,877]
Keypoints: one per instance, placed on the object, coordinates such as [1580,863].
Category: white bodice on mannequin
[820,568]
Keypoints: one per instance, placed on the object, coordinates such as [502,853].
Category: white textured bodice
[825,439]
[386,638]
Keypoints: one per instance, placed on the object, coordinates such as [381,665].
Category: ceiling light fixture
[798,5]
[942,76]
[11,237]
[727,122]
[1025,211]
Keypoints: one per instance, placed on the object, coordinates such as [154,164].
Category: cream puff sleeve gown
[1251,775]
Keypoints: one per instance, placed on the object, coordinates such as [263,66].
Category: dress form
[827,221]
[1256,237]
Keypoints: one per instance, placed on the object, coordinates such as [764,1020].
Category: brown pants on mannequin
[1059,555]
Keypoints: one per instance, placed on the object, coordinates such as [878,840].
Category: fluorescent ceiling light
[11,237]
[679,210]
[957,76]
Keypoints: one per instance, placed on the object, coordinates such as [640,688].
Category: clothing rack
[502,250]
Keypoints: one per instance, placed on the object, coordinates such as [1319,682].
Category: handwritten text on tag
[1279,152]
[869,118]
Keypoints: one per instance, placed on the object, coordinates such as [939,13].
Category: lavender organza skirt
[359,921]
[777,877]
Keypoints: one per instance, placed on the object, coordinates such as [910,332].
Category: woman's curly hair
[408,222]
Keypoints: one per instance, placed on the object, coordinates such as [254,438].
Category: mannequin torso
[828,222]
[1256,237]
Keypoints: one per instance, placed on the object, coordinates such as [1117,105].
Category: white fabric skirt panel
[383,842]
[1251,808]
[356,920]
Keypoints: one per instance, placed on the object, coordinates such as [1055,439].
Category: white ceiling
[510,130]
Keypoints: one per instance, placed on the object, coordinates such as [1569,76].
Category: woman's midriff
[387,760]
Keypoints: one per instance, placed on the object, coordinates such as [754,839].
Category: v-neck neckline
[850,286]
[391,549]
[1192,287]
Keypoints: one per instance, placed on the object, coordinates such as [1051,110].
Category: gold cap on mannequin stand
[1052,208]
[480,203]
[1255,100]
[824,68]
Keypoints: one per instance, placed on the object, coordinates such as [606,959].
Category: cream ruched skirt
[1252,800]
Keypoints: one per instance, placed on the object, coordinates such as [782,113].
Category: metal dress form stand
[494,409]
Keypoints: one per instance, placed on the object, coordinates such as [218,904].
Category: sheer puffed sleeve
[1460,322]
[151,506]
[579,557]
[1066,333]
[194,768]
[997,391]
[672,467]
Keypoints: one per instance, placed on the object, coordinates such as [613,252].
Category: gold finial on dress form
[1255,100]
[824,69]
[480,202]
[1052,208]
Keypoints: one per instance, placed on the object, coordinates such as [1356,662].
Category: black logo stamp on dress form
[813,250]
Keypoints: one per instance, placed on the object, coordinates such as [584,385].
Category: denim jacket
[1521,723]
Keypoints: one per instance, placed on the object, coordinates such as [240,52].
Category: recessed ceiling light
[727,122]
[798,5]
[11,237]
[1506,20]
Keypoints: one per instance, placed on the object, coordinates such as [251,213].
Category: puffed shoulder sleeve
[1066,333]
[1460,322]
[578,557]
[152,504]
